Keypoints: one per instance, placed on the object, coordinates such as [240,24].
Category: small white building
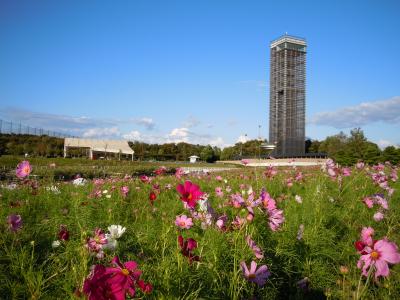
[193,159]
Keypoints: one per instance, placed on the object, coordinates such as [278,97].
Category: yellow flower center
[125,272]
[26,169]
[375,255]
[252,276]
[182,223]
[190,197]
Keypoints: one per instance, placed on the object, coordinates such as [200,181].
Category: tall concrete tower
[287,96]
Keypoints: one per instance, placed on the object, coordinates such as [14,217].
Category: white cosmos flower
[116,231]
[111,243]
[55,244]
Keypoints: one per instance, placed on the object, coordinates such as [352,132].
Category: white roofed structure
[97,148]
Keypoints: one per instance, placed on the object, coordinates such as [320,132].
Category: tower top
[288,39]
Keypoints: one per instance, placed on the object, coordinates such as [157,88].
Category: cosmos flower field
[247,233]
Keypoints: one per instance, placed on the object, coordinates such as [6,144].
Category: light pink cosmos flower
[298,199]
[23,169]
[253,246]
[218,178]
[124,191]
[95,244]
[360,165]
[276,218]
[14,222]
[378,256]
[289,182]
[258,276]
[183,222]
[220,223]
[378,216]
[366,235]
[179,172]
[393,175]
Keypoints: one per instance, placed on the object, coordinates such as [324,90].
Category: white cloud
[387,111]
[385,143]
[111,132]
[134,135]
[242,139]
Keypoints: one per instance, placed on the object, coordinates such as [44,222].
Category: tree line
[345,149]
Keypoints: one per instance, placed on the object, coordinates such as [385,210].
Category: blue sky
[195,71]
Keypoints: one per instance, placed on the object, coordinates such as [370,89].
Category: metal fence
[9,127]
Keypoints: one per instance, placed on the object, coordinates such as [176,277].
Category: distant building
[95,149]
[287,96]
[193,159]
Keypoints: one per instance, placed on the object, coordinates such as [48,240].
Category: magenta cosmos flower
[183,222]
[14,222]
[190,193]
[23,169]
[114,282]
[258,276]
[379,256]
[187,248]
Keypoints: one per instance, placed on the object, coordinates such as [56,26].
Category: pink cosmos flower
[253,246]
[124,191]
[245,161]
[23,169]
[145,179]
[14,222]
[190,193]
[218,178]
[267,201]
[270,172]
[183,222]
[369,202]
[346,172]
[179,173]
[160,170]
[378,256]
[238,222]
[258,276]
[219,192]
[237,200]
[299,176]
